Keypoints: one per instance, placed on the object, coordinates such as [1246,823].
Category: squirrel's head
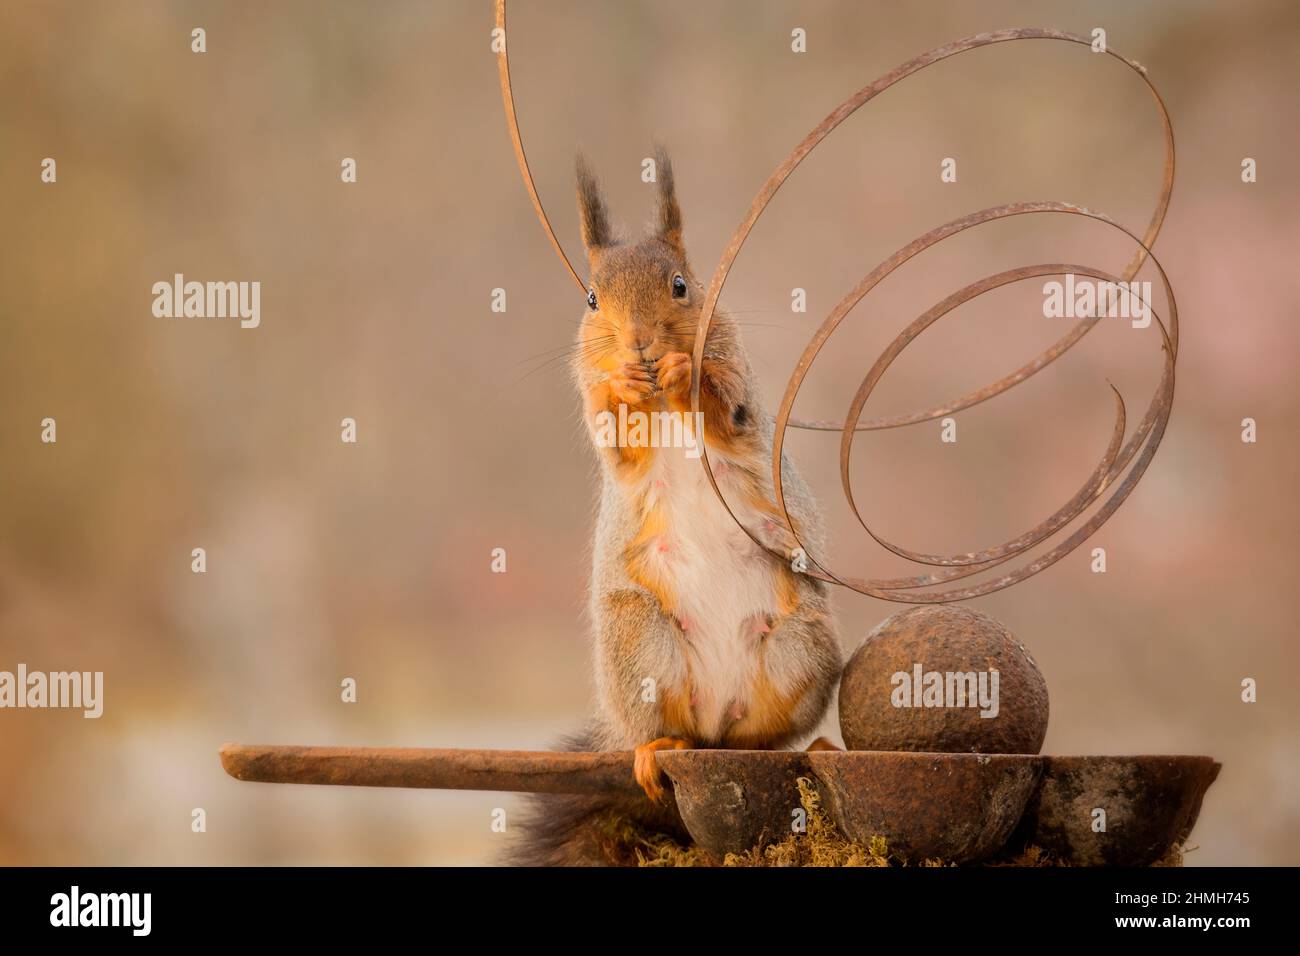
[643,301]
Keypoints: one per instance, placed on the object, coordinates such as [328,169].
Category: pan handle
[531,771]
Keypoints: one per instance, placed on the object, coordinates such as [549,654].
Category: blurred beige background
[328,560]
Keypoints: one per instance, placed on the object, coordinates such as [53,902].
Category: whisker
[579,350]
[572,346]
[551,362]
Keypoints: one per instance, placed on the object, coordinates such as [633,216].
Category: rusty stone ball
[943,679]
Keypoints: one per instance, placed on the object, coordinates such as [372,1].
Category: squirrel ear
[670,214]
[591,209]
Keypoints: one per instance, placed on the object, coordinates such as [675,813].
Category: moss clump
[821,845]
[1174,857]
[621,842]
[1029,856]
[1037,856]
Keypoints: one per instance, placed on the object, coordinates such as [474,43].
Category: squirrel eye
[591,299]
[679,287]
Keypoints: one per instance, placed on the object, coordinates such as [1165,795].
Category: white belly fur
[721,580]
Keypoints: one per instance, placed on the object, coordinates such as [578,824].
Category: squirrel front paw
[632,383]
[646,769]
[674,371]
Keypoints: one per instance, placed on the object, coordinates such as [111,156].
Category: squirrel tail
[560,829]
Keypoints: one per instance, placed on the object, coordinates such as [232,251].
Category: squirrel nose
[641,340]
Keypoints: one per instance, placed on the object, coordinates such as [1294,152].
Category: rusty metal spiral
[1136,452]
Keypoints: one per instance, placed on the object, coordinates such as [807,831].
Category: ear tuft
[591,209]
[670,214]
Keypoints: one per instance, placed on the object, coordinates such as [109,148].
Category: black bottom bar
[239,906]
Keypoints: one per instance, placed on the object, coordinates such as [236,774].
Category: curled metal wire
[1119,455]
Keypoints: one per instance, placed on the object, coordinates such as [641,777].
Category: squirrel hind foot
[646,769]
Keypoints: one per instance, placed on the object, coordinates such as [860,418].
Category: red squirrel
[702,638]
